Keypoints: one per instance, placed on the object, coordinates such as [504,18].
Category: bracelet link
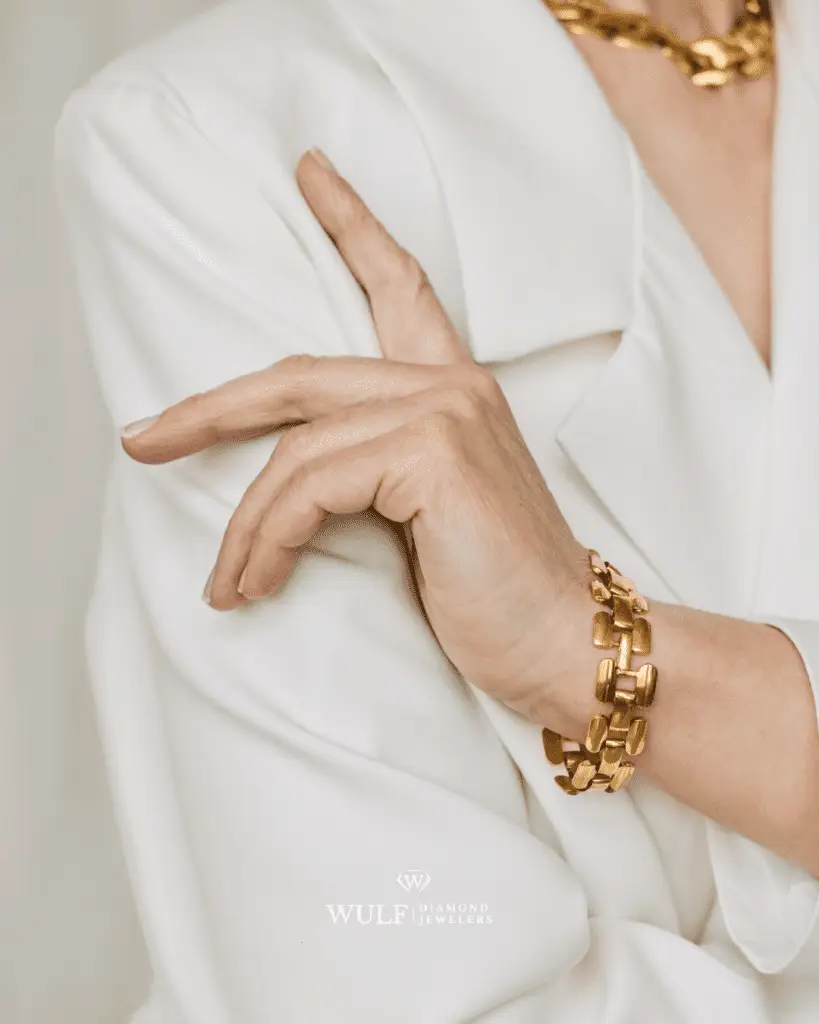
[600,762]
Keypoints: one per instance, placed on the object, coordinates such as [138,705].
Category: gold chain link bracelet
[598,763]
[747,51]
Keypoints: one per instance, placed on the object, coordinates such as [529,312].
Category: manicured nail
[136,428]
[208,585]
[322,158]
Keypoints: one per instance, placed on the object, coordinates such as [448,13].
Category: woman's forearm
[732,731]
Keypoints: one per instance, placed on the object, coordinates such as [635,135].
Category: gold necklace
[747,51]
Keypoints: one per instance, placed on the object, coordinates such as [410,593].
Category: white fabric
[316,749]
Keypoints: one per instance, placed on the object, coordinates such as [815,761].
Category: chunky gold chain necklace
[747,51]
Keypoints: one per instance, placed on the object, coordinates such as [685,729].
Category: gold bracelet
[598,762]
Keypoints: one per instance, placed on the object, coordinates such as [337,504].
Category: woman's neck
[688,18]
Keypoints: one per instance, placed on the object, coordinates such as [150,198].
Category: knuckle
[199,399]
[401,276]
[294,445]
[483,384]
[461,402]
[202,406]
[470,392]
[299,364]
[294,372]
[412,274]
[207,415]
[440,431]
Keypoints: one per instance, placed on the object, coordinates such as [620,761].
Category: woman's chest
[709,153]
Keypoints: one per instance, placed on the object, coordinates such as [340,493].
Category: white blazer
[321,819]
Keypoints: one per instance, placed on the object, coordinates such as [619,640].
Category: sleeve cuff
[770,906]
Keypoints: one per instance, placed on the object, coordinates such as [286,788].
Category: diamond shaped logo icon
[413,880]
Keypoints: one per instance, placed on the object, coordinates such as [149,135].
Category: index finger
[296,389]
[411,323]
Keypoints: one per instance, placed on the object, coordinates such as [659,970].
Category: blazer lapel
[532,167]
[672,435]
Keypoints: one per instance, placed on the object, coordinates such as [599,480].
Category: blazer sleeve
[312,754]
[770,906]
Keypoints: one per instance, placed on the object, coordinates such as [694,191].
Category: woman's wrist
[569,692]
[552,679]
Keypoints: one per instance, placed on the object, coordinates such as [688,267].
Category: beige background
[70,951]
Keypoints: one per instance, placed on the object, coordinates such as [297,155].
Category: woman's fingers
[301,447]
[297,389]
[411,323]
[340,482]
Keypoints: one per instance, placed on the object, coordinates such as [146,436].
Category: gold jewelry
[598,763]
[747,51]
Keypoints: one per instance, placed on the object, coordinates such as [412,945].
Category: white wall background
[70,951]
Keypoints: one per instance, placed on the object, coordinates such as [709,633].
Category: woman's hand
[426,438]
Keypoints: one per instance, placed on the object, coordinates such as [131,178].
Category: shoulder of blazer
[264,55]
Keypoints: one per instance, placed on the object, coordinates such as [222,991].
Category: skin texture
[708,152]
[426,438]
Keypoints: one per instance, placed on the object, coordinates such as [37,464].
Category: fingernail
[322,158]
[208,585]
[241,582]
[136,428]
